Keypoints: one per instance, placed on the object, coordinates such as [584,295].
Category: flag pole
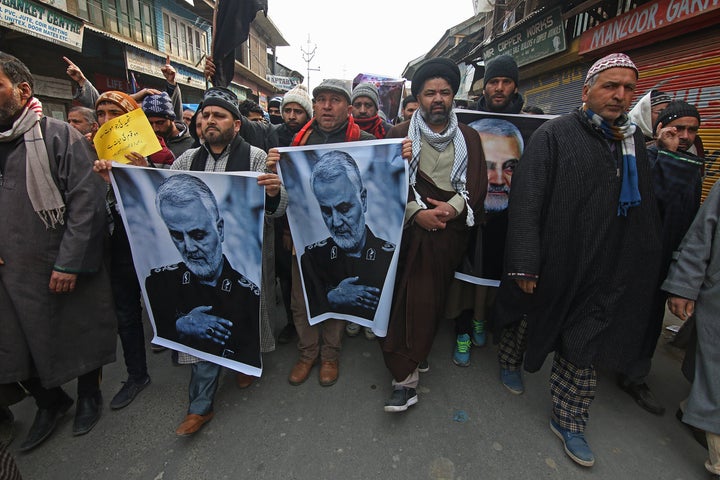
[212,42]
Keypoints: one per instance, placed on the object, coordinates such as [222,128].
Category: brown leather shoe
[328,372]
[243,381]
[192,423]
[300,372]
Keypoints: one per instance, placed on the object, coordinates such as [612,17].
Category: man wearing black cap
[274,110]
[677,183]
[332,123]
[448,182]
[225,150]
[500,86]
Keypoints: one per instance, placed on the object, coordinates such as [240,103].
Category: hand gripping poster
[503,139]
[196,243]
[346,204]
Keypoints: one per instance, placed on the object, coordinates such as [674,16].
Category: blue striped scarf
[622,131]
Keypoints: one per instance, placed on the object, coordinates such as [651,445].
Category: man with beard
[500,86]
[225,150]
[345,272]
[448,183]
[365,107]
[56,306]
[677,183]
[468,304]
[159,111]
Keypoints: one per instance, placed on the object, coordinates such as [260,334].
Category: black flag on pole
[232,29]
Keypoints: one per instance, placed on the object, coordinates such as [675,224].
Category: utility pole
[308,55]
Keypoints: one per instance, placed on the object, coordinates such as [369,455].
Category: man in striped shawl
[582,251]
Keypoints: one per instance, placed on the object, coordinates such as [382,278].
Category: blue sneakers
[478,333]
[512,379]
[575,445]
[461,355]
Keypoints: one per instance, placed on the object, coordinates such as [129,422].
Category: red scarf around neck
[373,125]
[352,133]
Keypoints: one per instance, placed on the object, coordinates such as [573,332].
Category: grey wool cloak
[597,272]
[55,337]
[694,274]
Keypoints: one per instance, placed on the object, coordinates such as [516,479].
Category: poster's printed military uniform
[324,265]
[173,291]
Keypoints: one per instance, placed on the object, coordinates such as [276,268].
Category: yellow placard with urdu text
[124,134]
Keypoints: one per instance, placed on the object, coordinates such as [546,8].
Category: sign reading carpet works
[39,21]
[533,41]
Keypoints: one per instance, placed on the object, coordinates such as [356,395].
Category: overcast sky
[370,36]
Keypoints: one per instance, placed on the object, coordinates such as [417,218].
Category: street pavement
[465,426]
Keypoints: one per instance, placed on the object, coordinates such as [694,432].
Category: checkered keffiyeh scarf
[440,141]
[622,130]
[42,190]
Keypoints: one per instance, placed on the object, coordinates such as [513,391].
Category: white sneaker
[369,333]
[352,329]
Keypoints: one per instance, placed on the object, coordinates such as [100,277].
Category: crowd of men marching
[603,226]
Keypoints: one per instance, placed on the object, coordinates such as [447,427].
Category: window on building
[129,18]
[183,39]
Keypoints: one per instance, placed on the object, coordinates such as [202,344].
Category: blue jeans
[128,309]
[203,385]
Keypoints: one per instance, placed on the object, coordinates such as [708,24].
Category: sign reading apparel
[647,18]
[41,22]
[531,41]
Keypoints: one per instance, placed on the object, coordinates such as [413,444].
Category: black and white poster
[346,207]
[196,243]
[503,139]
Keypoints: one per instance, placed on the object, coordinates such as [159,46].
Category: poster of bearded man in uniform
[503,139]
[346,206]
[196,242]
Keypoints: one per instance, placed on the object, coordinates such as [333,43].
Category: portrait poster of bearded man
[503,139]
[346,210]
[196,240]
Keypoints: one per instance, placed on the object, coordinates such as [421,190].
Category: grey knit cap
[366,90]
[333,85]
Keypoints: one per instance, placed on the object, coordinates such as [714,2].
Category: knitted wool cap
[433,68]
[333,85]
[299,95]
[657,97]
[223,98]
[501,66]
[676,109]
[121,99]
[159,105]
[366,90]
[614,60]
[275,102]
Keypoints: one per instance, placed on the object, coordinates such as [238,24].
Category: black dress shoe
[643,396]
[128,392]
[87,413]
[45,422]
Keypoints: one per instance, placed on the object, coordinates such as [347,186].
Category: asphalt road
[465,426]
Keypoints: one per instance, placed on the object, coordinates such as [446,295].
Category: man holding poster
[346,271]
